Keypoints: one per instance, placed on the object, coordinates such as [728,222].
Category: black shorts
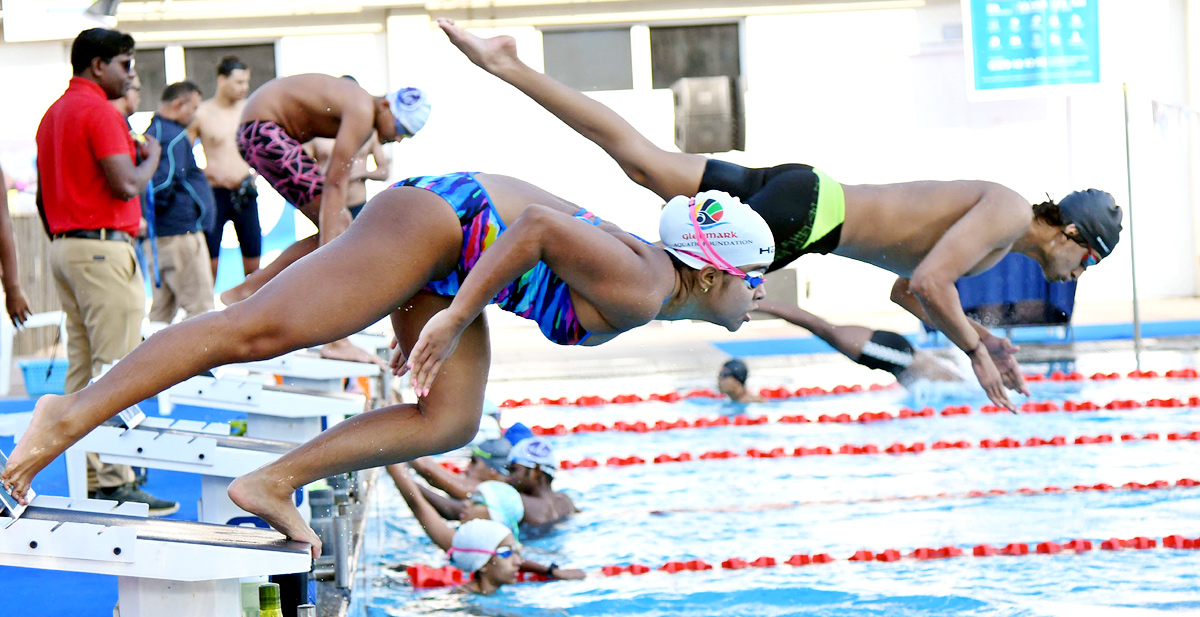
[245,224]
[790,198]
[887,351]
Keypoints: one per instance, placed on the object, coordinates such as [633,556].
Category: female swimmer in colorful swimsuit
[583,280]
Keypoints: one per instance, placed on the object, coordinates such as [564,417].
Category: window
[201,63]
[151,67]
[693,51]
[590,59]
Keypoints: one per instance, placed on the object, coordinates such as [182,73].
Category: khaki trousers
[103,297]
[186,277]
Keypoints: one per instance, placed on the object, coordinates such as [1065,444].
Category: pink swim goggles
[752,279]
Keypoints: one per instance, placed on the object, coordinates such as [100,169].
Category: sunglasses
[1090,259]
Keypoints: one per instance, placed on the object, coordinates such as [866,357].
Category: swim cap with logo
[730,233]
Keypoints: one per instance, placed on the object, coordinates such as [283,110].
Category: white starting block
[165,567]
[279,413]
[311,372]
[189,446]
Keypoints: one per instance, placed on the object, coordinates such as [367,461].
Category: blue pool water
[719,513]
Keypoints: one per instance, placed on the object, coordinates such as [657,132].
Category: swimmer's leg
[445,419]
[666,173]
[414,240]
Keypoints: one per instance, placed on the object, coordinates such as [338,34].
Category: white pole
[1137,322]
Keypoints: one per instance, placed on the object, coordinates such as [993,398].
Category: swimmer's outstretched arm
[441,533]
[625,285]
[666,173]
[447,507]
[990,227]
[439,477]
[848,340]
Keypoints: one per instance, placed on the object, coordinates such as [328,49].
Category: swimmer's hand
[399,362]
[1001,351]
[989,377]
[563,574]
[438,339]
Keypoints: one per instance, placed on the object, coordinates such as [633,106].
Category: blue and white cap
[410,106]
[535,453]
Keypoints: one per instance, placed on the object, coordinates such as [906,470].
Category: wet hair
[98,43]
[736,369]
[350,77]
[229,64]
[179,90]
[1049,213]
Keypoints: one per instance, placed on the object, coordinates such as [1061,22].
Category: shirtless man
[321,149]
[356,192]
[531,469]
[928,233]
[877,349]
[288,111]
[232,180]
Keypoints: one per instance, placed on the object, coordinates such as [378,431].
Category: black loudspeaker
[710,114]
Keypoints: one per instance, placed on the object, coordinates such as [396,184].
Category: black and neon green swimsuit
[803,206]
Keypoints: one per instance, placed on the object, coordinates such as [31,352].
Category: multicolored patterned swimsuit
[280,158]
[538,294]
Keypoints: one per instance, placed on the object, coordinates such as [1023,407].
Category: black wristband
[550,570]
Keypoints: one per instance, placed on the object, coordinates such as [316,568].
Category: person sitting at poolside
[928,233]
[444,247]
[489,463]
[531,469]
[483,547]
[731,382]
[877,349]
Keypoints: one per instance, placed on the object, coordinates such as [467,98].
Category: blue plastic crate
[38,383]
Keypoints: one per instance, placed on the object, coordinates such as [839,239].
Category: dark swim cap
[1097,216]
[736,369]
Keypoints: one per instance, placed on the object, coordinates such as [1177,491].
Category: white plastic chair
[37,320]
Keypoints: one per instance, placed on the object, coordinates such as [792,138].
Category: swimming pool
[746,508]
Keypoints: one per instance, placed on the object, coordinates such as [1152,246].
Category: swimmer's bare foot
[48,436]
[492,55]
[345,350]
[271,500]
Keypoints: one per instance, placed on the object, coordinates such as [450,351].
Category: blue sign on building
[1026,43]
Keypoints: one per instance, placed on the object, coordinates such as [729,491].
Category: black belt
[96,234]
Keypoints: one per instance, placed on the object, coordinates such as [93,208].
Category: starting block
[164,567]
[279,413]
[310,372]
[189,446]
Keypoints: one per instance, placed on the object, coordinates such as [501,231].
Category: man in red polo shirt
[88,196]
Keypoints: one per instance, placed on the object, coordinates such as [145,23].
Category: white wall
[870,97]
[34,74]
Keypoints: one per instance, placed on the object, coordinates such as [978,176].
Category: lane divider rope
[873,449]
[996,492]
[425,576]
[642,426]
[784,393]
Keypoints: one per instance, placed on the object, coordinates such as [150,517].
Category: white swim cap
[411,108]
[715,229]
[475,542]
[535,453]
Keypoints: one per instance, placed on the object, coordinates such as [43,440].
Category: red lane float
[782,392]
[424,576]
[865,449]
[863,418]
